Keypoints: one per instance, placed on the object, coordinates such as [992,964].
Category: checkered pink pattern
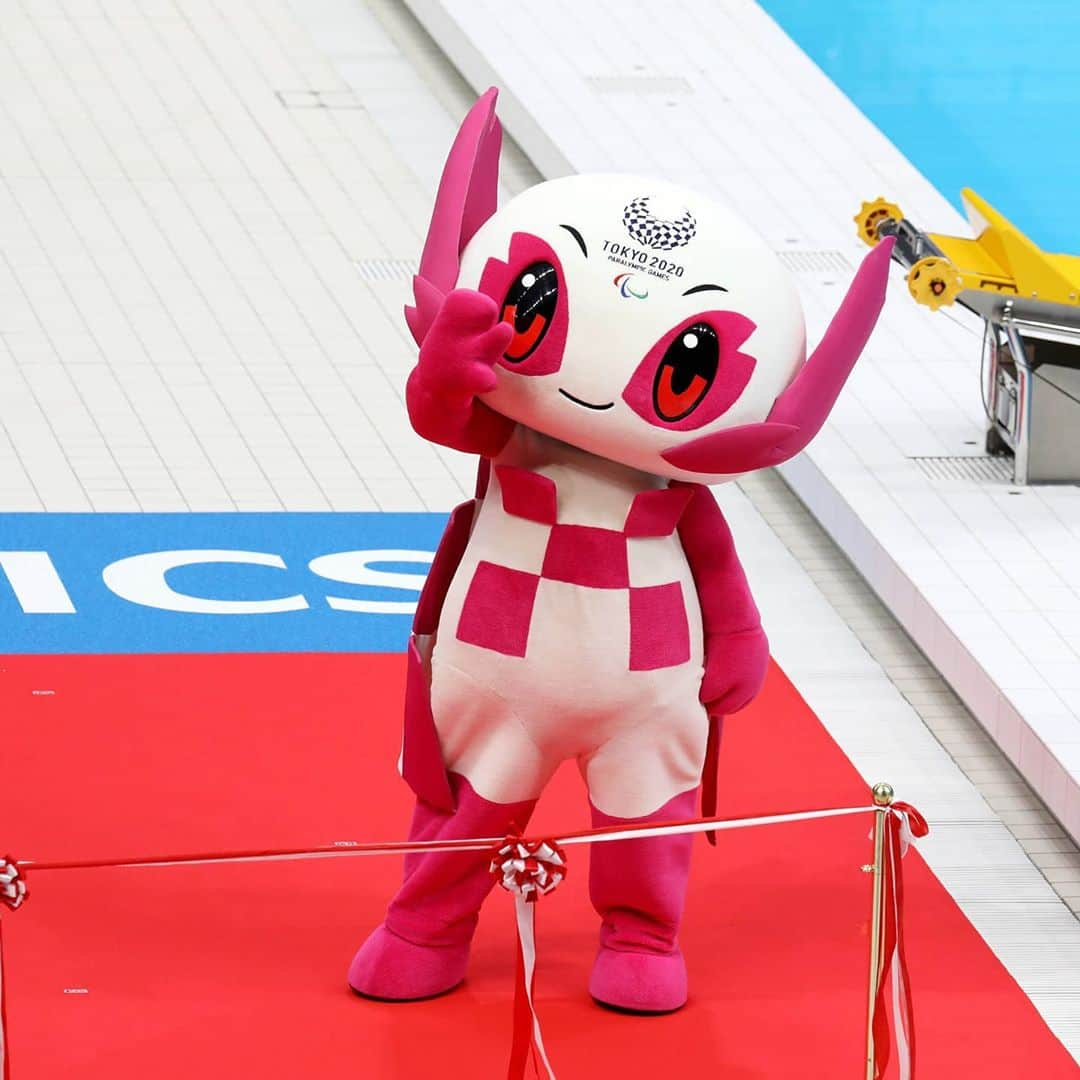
[498,609]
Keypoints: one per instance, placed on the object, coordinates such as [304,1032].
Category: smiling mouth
[586,404]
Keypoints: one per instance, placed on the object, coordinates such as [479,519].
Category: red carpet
[238,971]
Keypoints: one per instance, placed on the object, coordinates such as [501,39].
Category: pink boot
[638,888]
[422,947]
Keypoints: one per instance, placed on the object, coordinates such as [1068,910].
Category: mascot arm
[456,365]
[736,649]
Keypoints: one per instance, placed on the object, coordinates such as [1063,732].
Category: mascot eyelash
[589,604]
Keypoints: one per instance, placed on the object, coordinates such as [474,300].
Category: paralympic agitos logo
[629,288]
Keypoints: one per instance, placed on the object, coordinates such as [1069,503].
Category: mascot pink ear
[800,411]
[466,198]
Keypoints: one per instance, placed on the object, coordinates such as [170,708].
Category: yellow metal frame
[1000,259]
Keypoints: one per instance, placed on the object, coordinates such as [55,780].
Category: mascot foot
[639,982]
[390,968]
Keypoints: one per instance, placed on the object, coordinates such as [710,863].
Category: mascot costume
[607,345]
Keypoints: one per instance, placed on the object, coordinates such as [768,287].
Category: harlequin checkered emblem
[660,234]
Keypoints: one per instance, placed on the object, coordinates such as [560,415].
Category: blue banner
[168,583]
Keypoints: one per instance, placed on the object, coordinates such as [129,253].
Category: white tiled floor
[203,240]
[890,712]
[182,319]
[921,686]
[984,577]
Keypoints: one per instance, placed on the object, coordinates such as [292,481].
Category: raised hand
[456,366]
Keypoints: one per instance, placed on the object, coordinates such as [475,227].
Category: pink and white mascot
[607,345]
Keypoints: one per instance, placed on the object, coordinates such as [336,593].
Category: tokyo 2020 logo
[660,234]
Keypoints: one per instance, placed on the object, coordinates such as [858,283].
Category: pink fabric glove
[456,365]
[736,649]
[735,669]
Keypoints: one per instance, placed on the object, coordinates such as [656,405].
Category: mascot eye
[687,370]
[529,307]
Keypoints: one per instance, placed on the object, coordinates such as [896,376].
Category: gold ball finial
[883,794]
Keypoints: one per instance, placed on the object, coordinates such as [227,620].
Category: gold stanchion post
[883,797]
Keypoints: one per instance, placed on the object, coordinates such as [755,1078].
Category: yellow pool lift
[1001,262]
[1030,302]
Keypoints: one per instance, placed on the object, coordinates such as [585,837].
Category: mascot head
[652,326]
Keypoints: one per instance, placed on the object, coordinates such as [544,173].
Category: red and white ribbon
[12,896]
[903,825]
[530,869]
[5,1061]
[12,884]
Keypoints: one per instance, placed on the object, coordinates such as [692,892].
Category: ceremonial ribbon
[12,895]
[529,869]
[5,1060]
[903,825]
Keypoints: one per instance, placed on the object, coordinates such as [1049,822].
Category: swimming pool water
[982,95]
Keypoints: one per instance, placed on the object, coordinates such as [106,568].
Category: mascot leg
[638,888]
[422,947]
